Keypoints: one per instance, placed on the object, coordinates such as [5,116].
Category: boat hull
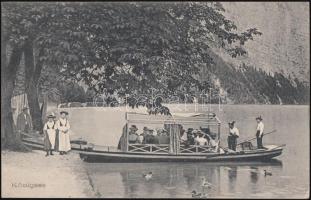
[128,157]
[106,156]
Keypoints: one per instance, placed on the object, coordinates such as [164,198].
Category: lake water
[290,171]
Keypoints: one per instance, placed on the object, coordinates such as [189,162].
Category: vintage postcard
[155,99]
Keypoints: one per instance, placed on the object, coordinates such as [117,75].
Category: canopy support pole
[218,132]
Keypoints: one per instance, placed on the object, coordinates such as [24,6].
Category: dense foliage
[128,49]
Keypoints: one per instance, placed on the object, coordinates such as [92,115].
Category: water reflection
[232,175]
[177,179]
[254,174]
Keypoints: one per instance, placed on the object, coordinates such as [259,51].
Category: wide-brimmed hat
[51,116]
[63,111]
[259,118]
[133,127]
[231,123]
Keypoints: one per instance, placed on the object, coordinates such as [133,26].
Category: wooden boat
[37,142]
[173,151]
[251,155]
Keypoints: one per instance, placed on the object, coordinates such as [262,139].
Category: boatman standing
[233,135]
[63,127]
[49,130]
[259,133]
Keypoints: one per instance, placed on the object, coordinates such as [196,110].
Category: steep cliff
[284,46]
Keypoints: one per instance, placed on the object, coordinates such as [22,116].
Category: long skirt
[49,140]
[63,141]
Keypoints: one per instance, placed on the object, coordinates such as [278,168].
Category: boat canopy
[105,126]
[205,119]
[174,125]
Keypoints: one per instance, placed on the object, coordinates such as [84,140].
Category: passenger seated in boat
[190,137]
[200,140]
[194,135]
[205,130]
[183,136]
[133,136]
[164,137]
[140,138]
[212,143]
[149,138]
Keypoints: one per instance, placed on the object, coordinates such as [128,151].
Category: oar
[256,137]
[253,138]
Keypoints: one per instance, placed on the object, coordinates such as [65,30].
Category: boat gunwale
[86,151]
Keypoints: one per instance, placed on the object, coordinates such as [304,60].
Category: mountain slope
[249,85]
[284,45]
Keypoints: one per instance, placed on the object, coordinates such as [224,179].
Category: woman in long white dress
[63,127]
[49,130]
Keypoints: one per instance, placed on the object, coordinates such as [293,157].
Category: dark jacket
[21,122]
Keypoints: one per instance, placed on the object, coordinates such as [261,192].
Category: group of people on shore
[57,132]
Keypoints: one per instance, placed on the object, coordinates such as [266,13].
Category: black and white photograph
[163,99]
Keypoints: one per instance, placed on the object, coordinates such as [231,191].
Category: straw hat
[65,112]
[231,123]
[259,118]
[51,116]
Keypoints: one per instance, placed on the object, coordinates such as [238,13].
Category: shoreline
[32,175]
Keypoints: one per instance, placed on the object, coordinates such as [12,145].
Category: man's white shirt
[234,131]
[260,127]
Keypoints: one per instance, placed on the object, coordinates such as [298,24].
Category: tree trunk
[8,75]
[32,74]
